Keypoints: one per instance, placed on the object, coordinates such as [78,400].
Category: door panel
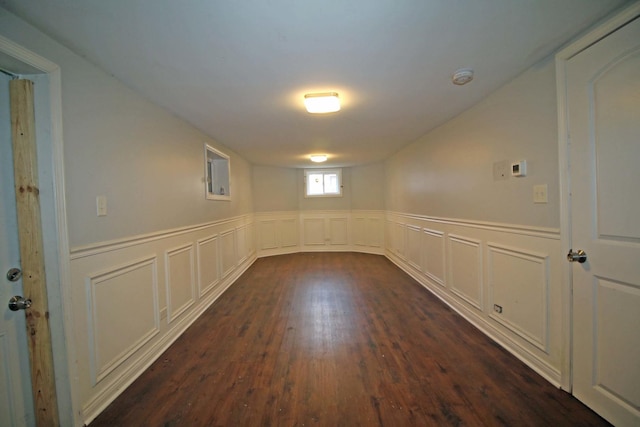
[617,149]
[15,384]
[603,100]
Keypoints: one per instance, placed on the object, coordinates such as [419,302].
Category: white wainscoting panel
[399,237]
[414,249]
[472,265]
[434,256]
[123,313]
[374,233]
[251,239]
[208,269]
[228,249]
[389,236]
[360,231]
[179,279]
[119,289]
[465,271]
[449,260]
[519,280]
[268,234]
[367,231]
[339,231]
[279,233]
[289,232]
[243,243]
[313,231]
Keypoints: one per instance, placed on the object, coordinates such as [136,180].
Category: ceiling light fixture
[462,76]
[319,103]
[318,158]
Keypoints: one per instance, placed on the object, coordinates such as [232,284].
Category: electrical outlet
[497,308]
[540,193]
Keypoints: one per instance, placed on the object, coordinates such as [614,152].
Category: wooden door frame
[562,57]
[68,400]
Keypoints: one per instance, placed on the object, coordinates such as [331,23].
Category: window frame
[336,171]
[210,155]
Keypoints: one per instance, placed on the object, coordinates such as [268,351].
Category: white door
[603,115]
[16,404]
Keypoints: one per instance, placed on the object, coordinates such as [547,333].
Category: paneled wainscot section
[504,279]
[308,231]
[134,297]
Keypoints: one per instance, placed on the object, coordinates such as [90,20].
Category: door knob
[579,256]
[14,274]
[19,303]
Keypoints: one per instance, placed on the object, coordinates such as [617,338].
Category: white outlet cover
[540,193]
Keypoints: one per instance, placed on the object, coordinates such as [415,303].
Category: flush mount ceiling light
[318,158]
[319,103]
[462,76]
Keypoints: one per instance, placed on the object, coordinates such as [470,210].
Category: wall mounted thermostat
[519,168]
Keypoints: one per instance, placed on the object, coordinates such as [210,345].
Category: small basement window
[217,172]
[323,182]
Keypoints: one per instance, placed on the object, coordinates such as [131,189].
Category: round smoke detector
[462,76]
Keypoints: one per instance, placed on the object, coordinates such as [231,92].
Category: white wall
[147,162]
[282,189]
[449,172]
[480,243]
[274,189]
[162,255]
[367,187]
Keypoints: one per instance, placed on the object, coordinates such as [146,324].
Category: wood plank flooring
[338,339]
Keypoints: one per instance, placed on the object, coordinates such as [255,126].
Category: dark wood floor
[338,339]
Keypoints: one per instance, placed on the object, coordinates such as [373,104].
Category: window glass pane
[314,184]
[331,183]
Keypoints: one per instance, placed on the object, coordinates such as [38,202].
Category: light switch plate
[540,193]
[101,205]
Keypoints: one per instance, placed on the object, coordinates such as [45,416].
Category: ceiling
[238,70]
